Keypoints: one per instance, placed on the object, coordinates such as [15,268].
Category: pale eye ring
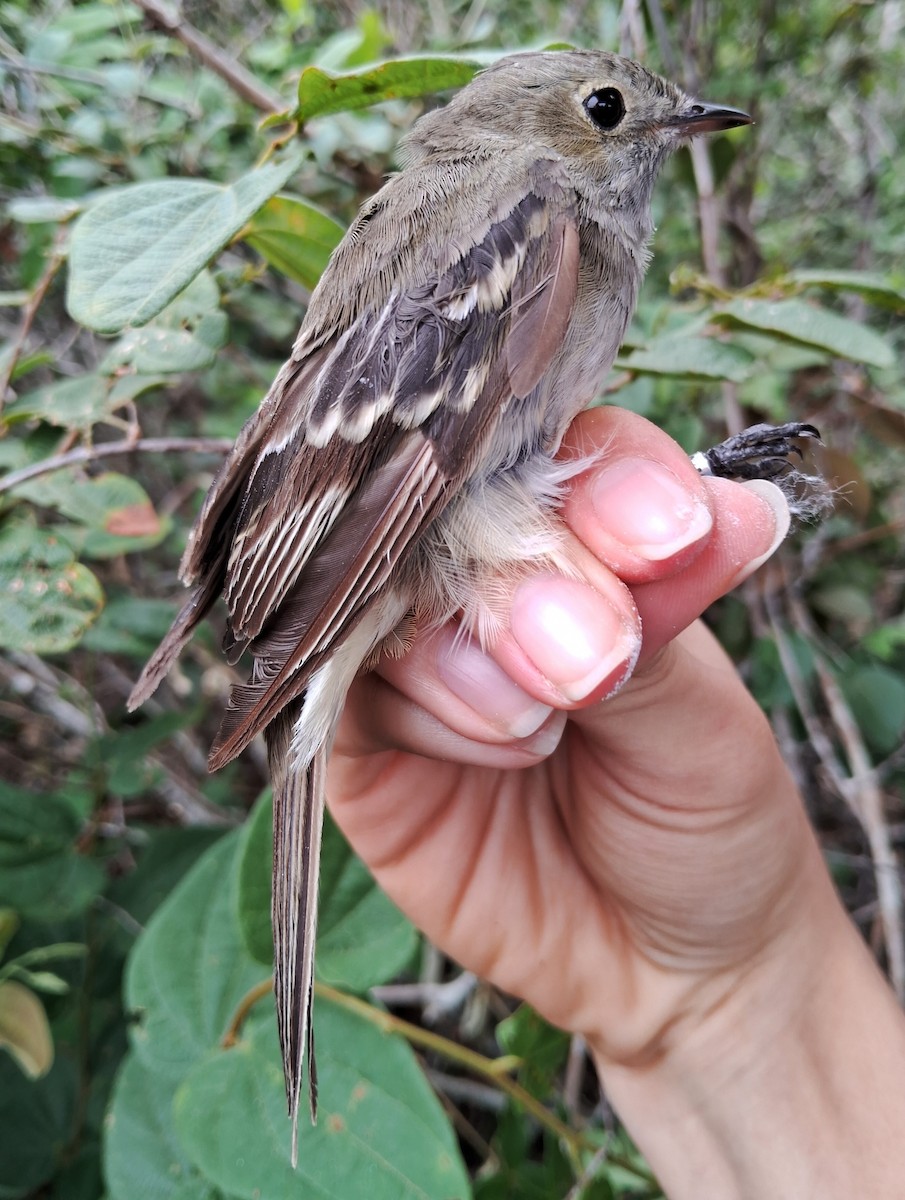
[605,107]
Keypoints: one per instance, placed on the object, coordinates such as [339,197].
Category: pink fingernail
[475,679]
[573,635]
[775,499]
[648,509]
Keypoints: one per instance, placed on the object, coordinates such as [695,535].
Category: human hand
[593,865]
[638,865]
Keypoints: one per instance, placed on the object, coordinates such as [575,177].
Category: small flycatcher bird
[404,457]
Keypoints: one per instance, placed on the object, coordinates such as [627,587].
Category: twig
[54,262]
[436,999]
[241,80]
[632,41]
[587,1176]
[575,1064]
[664,42]
[244,1007]
[708,210]
[494,1070]
[45,687]
[93,79]
[85,454]
[864,796]
[858,787]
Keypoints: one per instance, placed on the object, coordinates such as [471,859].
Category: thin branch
[86,454]
[241,80]
[55,260]
[865,798]
[664,41]
[244,1007]
[45,689]
[436,1000]
[590,1171]
[491,1069]
[858,786]
[93,78]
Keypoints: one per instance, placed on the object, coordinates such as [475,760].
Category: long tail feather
[298,816]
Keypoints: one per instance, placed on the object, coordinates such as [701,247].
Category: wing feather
[364,438]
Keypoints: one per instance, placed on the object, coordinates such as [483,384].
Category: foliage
[157,245]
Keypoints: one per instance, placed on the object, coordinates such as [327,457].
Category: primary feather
[404,456]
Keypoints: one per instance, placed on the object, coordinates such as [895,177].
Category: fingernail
[475,679]
[776,501]
[648,509]
[573,635]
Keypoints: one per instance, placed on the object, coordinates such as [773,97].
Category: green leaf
[362,938]
[35,1122]
[9,926]
[877,698]
[130,625]
[886,641]
[139,246]
[797,321]
[117,515]
[189,969]
[143,1159]
[184,337]
[38,210]
[41,873]
[24,1030]
[878,289]
[122,755]
[542,1047]
[163,861]
[48,599]
[254,886]
[71,403]
[321,92]
[690,358]
[380,1132]
[294,237]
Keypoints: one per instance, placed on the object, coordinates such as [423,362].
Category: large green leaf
[295,237]
[878,289]
[797,321]
[321,92]
[114,511]
[49,600]
[362,938]
[184,337]
[690,358]
[81,402]
[42,875]
[35,1122]
[143,1159]
[877,697]
[189,969]
[380,1133]
[139,246]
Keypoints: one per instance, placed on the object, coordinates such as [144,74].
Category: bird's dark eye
[605,107]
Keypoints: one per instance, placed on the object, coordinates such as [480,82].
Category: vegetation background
[140,325]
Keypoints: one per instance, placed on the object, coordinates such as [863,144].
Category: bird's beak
[708,118]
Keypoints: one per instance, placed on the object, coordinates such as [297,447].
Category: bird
[404,458]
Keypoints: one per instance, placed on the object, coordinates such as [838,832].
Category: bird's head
[610,119]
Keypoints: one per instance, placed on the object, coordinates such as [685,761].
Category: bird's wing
[364,439]
[400,408]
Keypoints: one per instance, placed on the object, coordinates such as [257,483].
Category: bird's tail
[298,818]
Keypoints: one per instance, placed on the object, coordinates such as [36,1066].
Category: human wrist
[785,1081]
